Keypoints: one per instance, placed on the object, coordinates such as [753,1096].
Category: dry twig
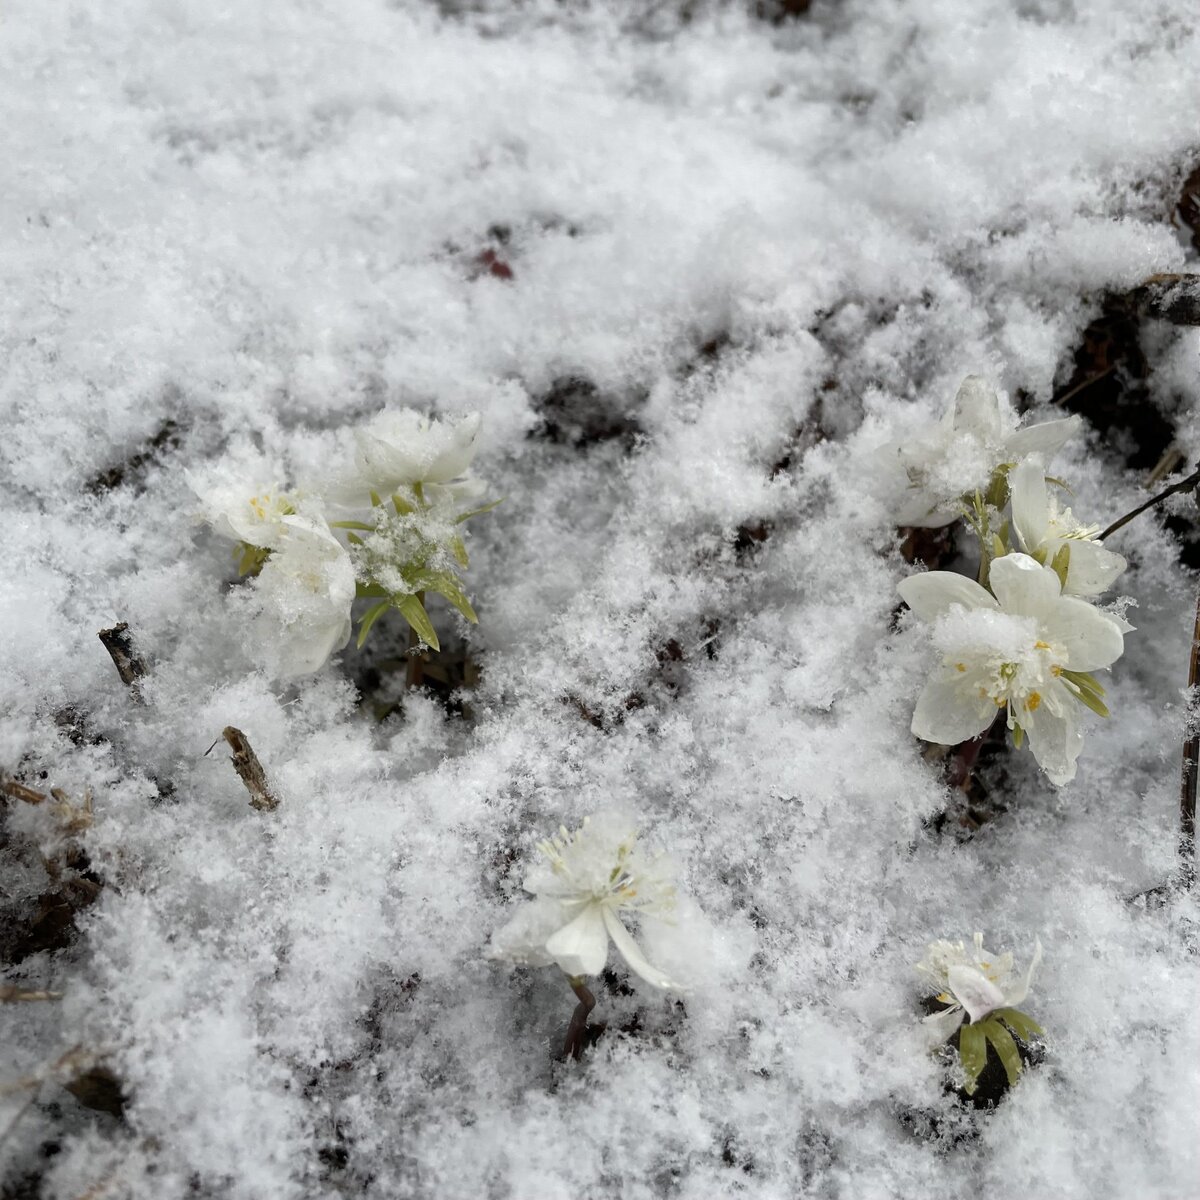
[246,764]
[125,658]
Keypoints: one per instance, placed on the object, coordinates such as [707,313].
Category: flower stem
[577,1030]
[1184,485]
[414,674]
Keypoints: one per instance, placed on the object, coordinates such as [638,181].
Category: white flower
[243,509]
[1043,529]
[304,594]
[959,454]
[1028,648]
[402,447]
[973,983]
[589,878]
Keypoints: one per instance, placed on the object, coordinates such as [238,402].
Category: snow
[750,245]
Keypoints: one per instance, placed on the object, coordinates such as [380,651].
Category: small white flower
[1028,648]
[588,879]
[1043,529]
[401,447]
[959,454]
[973,983]
[243,509]
[304,593]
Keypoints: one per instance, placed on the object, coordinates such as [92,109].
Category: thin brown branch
[246,764]
[1083,385]
[18,791]
[130,667]
[1190,768]
[16,995]
[1184,485]
[576,1038]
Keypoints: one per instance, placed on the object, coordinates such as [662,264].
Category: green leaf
[459,550]
[1006,1048]
[402,506]
[998,547]
[972,1052]
[414,613]
[362,590]
[354,539]
[1089,699]
[446,585]
[369,618]
[1086,681]
[1025,1027]
[1061,563]
[352,525]
[475,512]
[1018,736]
[376,502]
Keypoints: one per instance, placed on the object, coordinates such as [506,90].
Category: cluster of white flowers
[1025,638]
[398,507]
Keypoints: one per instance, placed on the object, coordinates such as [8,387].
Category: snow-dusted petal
[1055,733]
[1046,439]
[1016,995]
[523,939]
[1091,569]
[943,1025]
[632,954]
[404,447]
[581,947]
[1023,585]
[974,991]
[978,410]
[1030,502]
[1091,638]
[948,713]
[933,593]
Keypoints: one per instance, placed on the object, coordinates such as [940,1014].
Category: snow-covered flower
[973,983]
[303,595]
[402,447]
[1046,531]
[960,454]
[588,880]
[244,509]
[1027,648]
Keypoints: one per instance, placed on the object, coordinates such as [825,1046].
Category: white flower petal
[1046,439]
[1091,569]
[1015,996]
[978,410]
[1091,638]
[942,1026]
[934,593]
[1055,735]
[523,939]
[632,954]
[1030,503]
[1023,586]
[975,991]
[947,713]
[581,947]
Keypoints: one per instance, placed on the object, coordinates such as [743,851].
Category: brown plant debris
[246,764]
[1173,298]
[130,667]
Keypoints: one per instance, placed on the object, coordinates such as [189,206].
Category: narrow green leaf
[376,502]
[352,525]
[475,512]
[972,1051]
[446,584]
[1025,1027]
[1006,1048]
[1061,483]
[998,547]
[369,618]
[402,506]
[1089,700]
[354,539]
[1018,736]
[414,613]
[419,491]
[1061,563]
[362,590]
[1086,681]
[459,550]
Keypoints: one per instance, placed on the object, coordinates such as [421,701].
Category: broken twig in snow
[125,658]
[246,764]
[1187,782]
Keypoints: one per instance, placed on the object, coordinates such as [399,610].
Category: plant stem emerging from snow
[577,1030]
[1184,485]
[246,764]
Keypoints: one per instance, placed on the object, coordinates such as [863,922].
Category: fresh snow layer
[756,244]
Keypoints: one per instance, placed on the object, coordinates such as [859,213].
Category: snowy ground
[760,249]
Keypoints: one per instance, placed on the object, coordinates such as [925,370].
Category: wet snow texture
[715,247]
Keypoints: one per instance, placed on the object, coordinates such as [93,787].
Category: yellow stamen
[1034,700]
[1041,645]
[960,666]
